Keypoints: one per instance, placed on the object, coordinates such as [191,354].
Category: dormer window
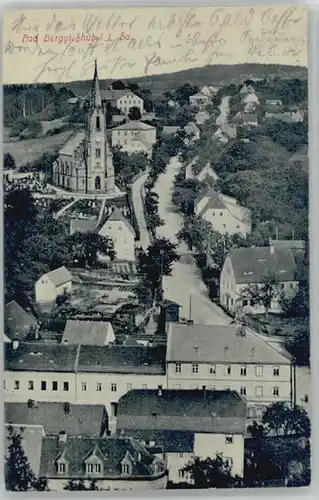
[61,467]
[125,469]
[89,468]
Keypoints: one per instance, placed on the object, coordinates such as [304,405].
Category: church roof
[95,93]
[70,146]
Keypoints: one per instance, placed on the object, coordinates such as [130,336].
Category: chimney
[62,437]
[271,247]
[159,391]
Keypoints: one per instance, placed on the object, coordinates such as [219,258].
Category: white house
[247,266]
[192,131]
[199,99]
[225,133]
[223,212]
[201,117]
[227,357]
[205,173]
[250,102]
[123,99]
[118,228]
[52,284]
[134,136]
[215,418]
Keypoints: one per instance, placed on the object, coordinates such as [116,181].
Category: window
[113,387]
[195,368]
[114,409]
[83,386]
[229,461]
[291,286]
[89,468]
[221,213]
[65,386]
[275,391]
[144,386]
[181,455]
[43,385]
[259,391]
[181,473]
[125,133]
[212,370]
[61,467]
[243,391]
[224,225]
[227,370]
[97,123]
[129,387]
[98,153]
[213,214]
[178,368]
[4,385]
[125,469]
[54,386]
[276,371]
[99,387]
[243,371]
[259,371]
[306,398]
[16,384]
[31,385]
[98,468]
[229,439]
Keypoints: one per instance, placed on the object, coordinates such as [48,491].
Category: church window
[98,153]
[97,123]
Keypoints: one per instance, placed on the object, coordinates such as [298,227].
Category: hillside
[217,75]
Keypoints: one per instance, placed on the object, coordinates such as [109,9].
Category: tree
[299,345]
[118,85]
[183,93]
[153,219]
[134,113]
[18,473]
[263,293]
[84,247]
[8,161]
[285,421]
[157,262]
[79,485]
[212,473]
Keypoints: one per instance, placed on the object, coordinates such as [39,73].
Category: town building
[214,421]
[227,357]
[18,323]
[170,129]
[134,137]
[250,102]
[225,133]
[85,162]
[52,284]
[192,132]
[88,332]
[274,102]
[202,174]
[80,374]
[287,116]
[223,212]
[199,99]
[250,120]
[201,117]
[55,418]
[244,267]
[122,99]
[117,227]
[115,463]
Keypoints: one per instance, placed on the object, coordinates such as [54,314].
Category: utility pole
[276,233]
[190,308]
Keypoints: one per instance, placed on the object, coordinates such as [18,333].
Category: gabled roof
[58,276]
[109,95]
[88,332]
[182,410]
[40,357]
[251,264]
[218,344]
[207,191]
[71,145]
[81,420]
[112,450]
[134,125]
[82,225]
[117,215]
[214,203]
[167,441]
[17,322]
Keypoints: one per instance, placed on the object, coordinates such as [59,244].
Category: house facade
[52,284]
[199,99]
[123,99]
[244,267]
[118,228]
[134,136]
[211,422]
[218,357]
[223,212]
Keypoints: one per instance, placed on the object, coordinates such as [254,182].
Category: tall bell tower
[99,157]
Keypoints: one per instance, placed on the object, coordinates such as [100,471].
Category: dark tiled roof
[87,332]
[17,322]
[218,344]
[167,441]
[111,451]
[117,215]
[168,303]
[182,410]
[59,276]
[121,359]
[40,357]
[207,191]
[251,264]
[81,420]
[214,203]
[134,125]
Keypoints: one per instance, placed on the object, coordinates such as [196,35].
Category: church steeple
[96,101]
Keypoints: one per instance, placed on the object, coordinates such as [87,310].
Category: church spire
[96,94]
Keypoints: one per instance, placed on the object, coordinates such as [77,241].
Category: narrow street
[185,286]
[139,210]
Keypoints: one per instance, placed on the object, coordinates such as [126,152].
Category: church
[85,162]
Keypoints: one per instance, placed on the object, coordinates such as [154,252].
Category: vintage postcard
[156,298]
